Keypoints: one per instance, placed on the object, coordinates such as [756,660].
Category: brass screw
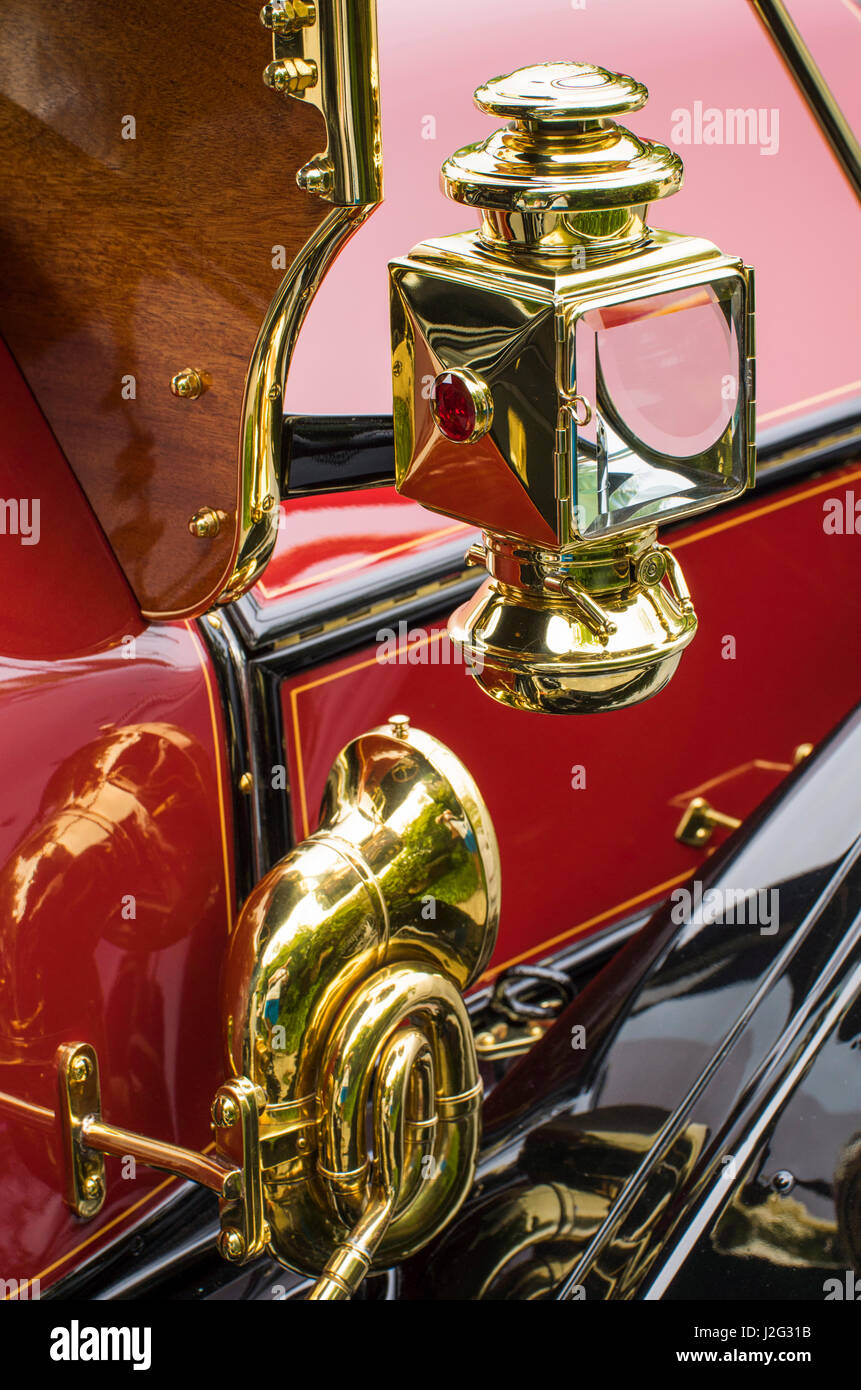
[292,75]
[231,1246]
[302,1144]
[246,783]
[285,17]
[80,1068]
[263,508]
[274,391]
[205,523]
[399,725]
[92,1187]
[188,384]
[652,568]
[225,1112]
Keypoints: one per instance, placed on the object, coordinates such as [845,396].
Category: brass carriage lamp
[566,378]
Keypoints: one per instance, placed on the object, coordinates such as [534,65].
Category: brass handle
[699,820]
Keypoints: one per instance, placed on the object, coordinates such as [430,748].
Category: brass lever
[700,817]
[699,820]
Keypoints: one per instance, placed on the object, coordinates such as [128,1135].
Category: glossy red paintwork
[326,541]
[115,856]
[115,807]
[765,574]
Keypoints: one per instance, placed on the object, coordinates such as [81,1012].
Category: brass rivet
[80,1068]
[801,752]
[293,75]
[213,620]
[246,783]
[225,1112]
[231,1246]
[188,384]
[399,725]
[206,523]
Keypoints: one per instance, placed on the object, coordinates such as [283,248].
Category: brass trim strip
[327,57]
[261,431]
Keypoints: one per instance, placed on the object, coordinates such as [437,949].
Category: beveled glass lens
[663,377]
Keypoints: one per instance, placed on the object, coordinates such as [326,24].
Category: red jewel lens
[453,407]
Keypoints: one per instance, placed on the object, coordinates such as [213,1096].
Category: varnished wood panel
[138,257]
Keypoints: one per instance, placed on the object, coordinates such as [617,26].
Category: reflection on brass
[572,632]
[325,54]
[801,752]
[555,306]
[343,991]
[699,821]
[188,384]
[246,783]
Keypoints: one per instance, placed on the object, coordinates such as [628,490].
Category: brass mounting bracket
[234,1172]
[326,54]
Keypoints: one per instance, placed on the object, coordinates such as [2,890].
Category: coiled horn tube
[343,999]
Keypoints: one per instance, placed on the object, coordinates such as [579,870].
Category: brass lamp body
[343,994]
[582,610]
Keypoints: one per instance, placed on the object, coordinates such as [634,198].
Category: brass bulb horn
[343,993]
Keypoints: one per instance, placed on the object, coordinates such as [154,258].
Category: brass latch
[700,818]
